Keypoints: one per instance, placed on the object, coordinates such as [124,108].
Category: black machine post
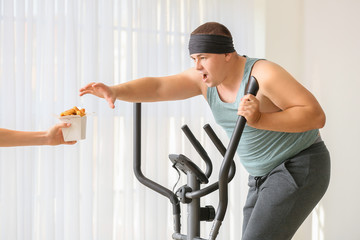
[140,176]
[191,193]
[252,88]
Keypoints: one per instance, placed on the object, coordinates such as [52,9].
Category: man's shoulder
[266,65]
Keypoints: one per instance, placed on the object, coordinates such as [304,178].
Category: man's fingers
[85,92]
[87,86]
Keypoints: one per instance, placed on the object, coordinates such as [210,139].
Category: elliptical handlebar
[144,180]
[199,148]
[251,88]
[215,186]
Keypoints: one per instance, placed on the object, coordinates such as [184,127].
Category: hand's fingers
[244,102]
[86,92]
[246,97]
[66,125]
[251,97]
[63,125]
[100,90]
[242,113]
[87,86]
[245,106]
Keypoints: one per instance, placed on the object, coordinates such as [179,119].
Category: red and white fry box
[77,130]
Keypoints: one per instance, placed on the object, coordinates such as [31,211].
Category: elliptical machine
[191,193]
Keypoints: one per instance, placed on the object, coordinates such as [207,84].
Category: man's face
[210,66]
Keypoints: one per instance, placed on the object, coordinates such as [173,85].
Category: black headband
[210,43]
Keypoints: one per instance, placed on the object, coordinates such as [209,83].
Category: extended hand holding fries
[62,133]
[53,136]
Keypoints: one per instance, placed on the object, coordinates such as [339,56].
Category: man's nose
[198,65]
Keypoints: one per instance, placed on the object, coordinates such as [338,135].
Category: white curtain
[48,50]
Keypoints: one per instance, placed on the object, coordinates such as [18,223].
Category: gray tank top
[260,151]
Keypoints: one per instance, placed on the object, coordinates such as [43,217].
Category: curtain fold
[51,48]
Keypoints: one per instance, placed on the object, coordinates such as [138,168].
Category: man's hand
[249,108]
[100,90]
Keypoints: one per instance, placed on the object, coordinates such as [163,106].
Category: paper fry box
[77,131]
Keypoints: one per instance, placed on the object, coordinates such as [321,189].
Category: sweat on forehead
[210,43]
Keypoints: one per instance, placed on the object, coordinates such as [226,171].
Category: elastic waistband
[318,139]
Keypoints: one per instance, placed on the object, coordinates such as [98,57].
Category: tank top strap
[247,74]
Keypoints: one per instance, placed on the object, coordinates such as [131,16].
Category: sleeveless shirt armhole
[209,95]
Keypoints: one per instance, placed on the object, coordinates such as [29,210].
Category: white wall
[332,50]
[319,43]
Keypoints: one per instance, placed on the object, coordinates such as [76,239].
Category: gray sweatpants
[278,203]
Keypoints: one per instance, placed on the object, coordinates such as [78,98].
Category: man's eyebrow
[198,55]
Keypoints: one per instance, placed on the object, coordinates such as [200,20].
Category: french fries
[74,111]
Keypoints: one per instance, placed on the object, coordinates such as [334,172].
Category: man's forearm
[139,90]
[154,89]
[295,119]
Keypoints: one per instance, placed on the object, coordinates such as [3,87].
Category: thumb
[64,125]
[111,101]
[111,104]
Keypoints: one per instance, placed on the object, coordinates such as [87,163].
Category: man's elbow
[321,120]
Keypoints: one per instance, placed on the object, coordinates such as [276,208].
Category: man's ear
[228,56]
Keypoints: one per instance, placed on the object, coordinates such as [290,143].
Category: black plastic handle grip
[252,87]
